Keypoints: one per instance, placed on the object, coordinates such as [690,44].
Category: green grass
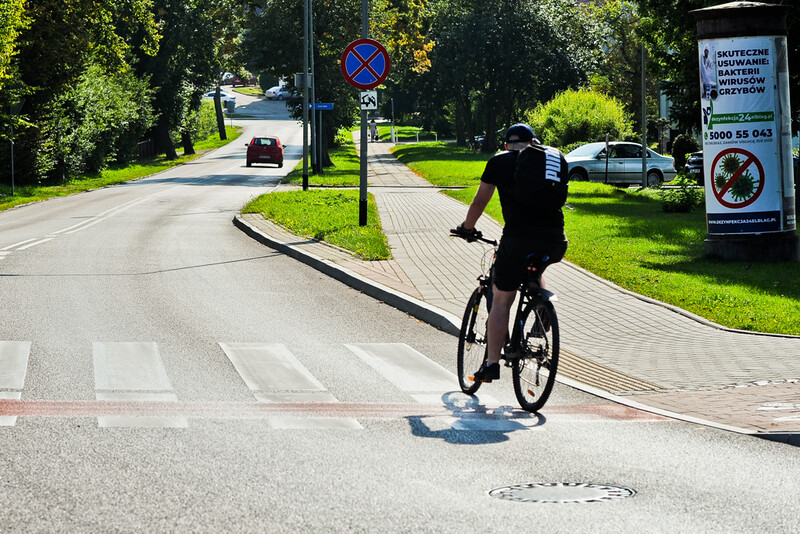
[443,164]
[404,133]
[344,173]
[623,236]
[110,176]
[327,214]
[255,91]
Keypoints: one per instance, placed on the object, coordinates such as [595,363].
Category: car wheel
[280,97]
[249,163]
[653,179]
[577,175]
[280,164]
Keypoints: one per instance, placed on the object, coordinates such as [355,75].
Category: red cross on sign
[365,63]
[737,178]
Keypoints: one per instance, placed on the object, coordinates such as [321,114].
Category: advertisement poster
[741,135]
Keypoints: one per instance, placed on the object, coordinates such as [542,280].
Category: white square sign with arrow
[369,100]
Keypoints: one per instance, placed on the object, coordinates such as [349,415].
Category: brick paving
[630,348]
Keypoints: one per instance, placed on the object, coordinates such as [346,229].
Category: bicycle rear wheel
[472,341]
[534,372]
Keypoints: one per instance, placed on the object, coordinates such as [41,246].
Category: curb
[416,308]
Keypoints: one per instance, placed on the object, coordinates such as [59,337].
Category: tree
[527,52]
[188,61]
[62,42]
[579,117]
[620,73]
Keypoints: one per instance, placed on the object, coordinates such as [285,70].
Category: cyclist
[526,231]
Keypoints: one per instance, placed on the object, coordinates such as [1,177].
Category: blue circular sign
[365,63]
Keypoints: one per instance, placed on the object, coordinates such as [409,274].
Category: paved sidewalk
[615,343]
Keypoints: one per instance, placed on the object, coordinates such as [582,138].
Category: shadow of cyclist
[471,422]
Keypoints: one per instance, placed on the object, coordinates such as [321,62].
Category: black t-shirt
[521,221]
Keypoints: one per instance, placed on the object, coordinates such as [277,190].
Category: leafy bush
[580,116]
[201,123]
[681,199]
[682,146]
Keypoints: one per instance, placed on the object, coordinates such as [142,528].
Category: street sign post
[365,65]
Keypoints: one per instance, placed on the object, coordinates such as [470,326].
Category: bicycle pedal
[471,378]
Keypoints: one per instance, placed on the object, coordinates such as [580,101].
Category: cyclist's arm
[482,198]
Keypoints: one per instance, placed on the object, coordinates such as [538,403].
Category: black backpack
[540,178]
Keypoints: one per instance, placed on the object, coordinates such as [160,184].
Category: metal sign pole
[362,197]
[305,95]
[644,123]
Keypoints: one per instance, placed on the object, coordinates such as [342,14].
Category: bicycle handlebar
[455,233]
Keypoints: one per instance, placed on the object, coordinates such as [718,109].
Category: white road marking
[132,372]
[427,382]
[13,368]
[9,247]
[39,242]
[274,374]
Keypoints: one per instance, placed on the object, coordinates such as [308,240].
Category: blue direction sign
[320,105]
[365,63]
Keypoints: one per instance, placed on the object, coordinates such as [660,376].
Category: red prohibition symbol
[365,63]
[736,170]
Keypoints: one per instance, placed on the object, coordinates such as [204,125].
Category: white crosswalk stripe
[427,382]
[274,374]
[132,372]
[13,368]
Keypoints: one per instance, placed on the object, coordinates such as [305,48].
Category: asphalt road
[162,372]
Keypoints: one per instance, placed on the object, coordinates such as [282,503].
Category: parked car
[588,162]
[248,80]
[277,93]
[264,150]
[694,166]
[224,96]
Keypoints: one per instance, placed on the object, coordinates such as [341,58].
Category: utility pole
[305,94]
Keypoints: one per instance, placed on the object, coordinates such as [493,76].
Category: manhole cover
[562,492]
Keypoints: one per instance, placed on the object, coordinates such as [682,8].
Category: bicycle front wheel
[534,371]
[472,341]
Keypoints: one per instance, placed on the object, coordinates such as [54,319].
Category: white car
[623,166]
[277,93]
[224,96]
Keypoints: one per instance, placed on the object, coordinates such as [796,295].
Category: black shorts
[510,267]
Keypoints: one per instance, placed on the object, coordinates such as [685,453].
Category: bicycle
[531,349]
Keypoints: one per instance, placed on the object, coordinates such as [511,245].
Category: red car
[265,150]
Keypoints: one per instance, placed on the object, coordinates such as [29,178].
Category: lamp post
[15,109]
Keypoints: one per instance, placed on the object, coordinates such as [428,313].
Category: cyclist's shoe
[487,373]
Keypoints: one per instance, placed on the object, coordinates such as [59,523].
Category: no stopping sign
[365,63]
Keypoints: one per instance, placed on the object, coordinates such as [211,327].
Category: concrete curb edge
[437,318]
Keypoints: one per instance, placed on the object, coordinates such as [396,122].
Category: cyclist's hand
[470,235]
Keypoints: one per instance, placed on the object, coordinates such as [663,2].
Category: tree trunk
[220,118]
[461,137]
[491,126]
[186,141]
[165,143]
[325,157]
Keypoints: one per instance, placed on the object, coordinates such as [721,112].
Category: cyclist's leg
[498,322]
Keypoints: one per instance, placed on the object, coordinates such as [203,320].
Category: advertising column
[750,209]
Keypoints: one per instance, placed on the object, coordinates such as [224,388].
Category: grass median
[327,211]
[113,175]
